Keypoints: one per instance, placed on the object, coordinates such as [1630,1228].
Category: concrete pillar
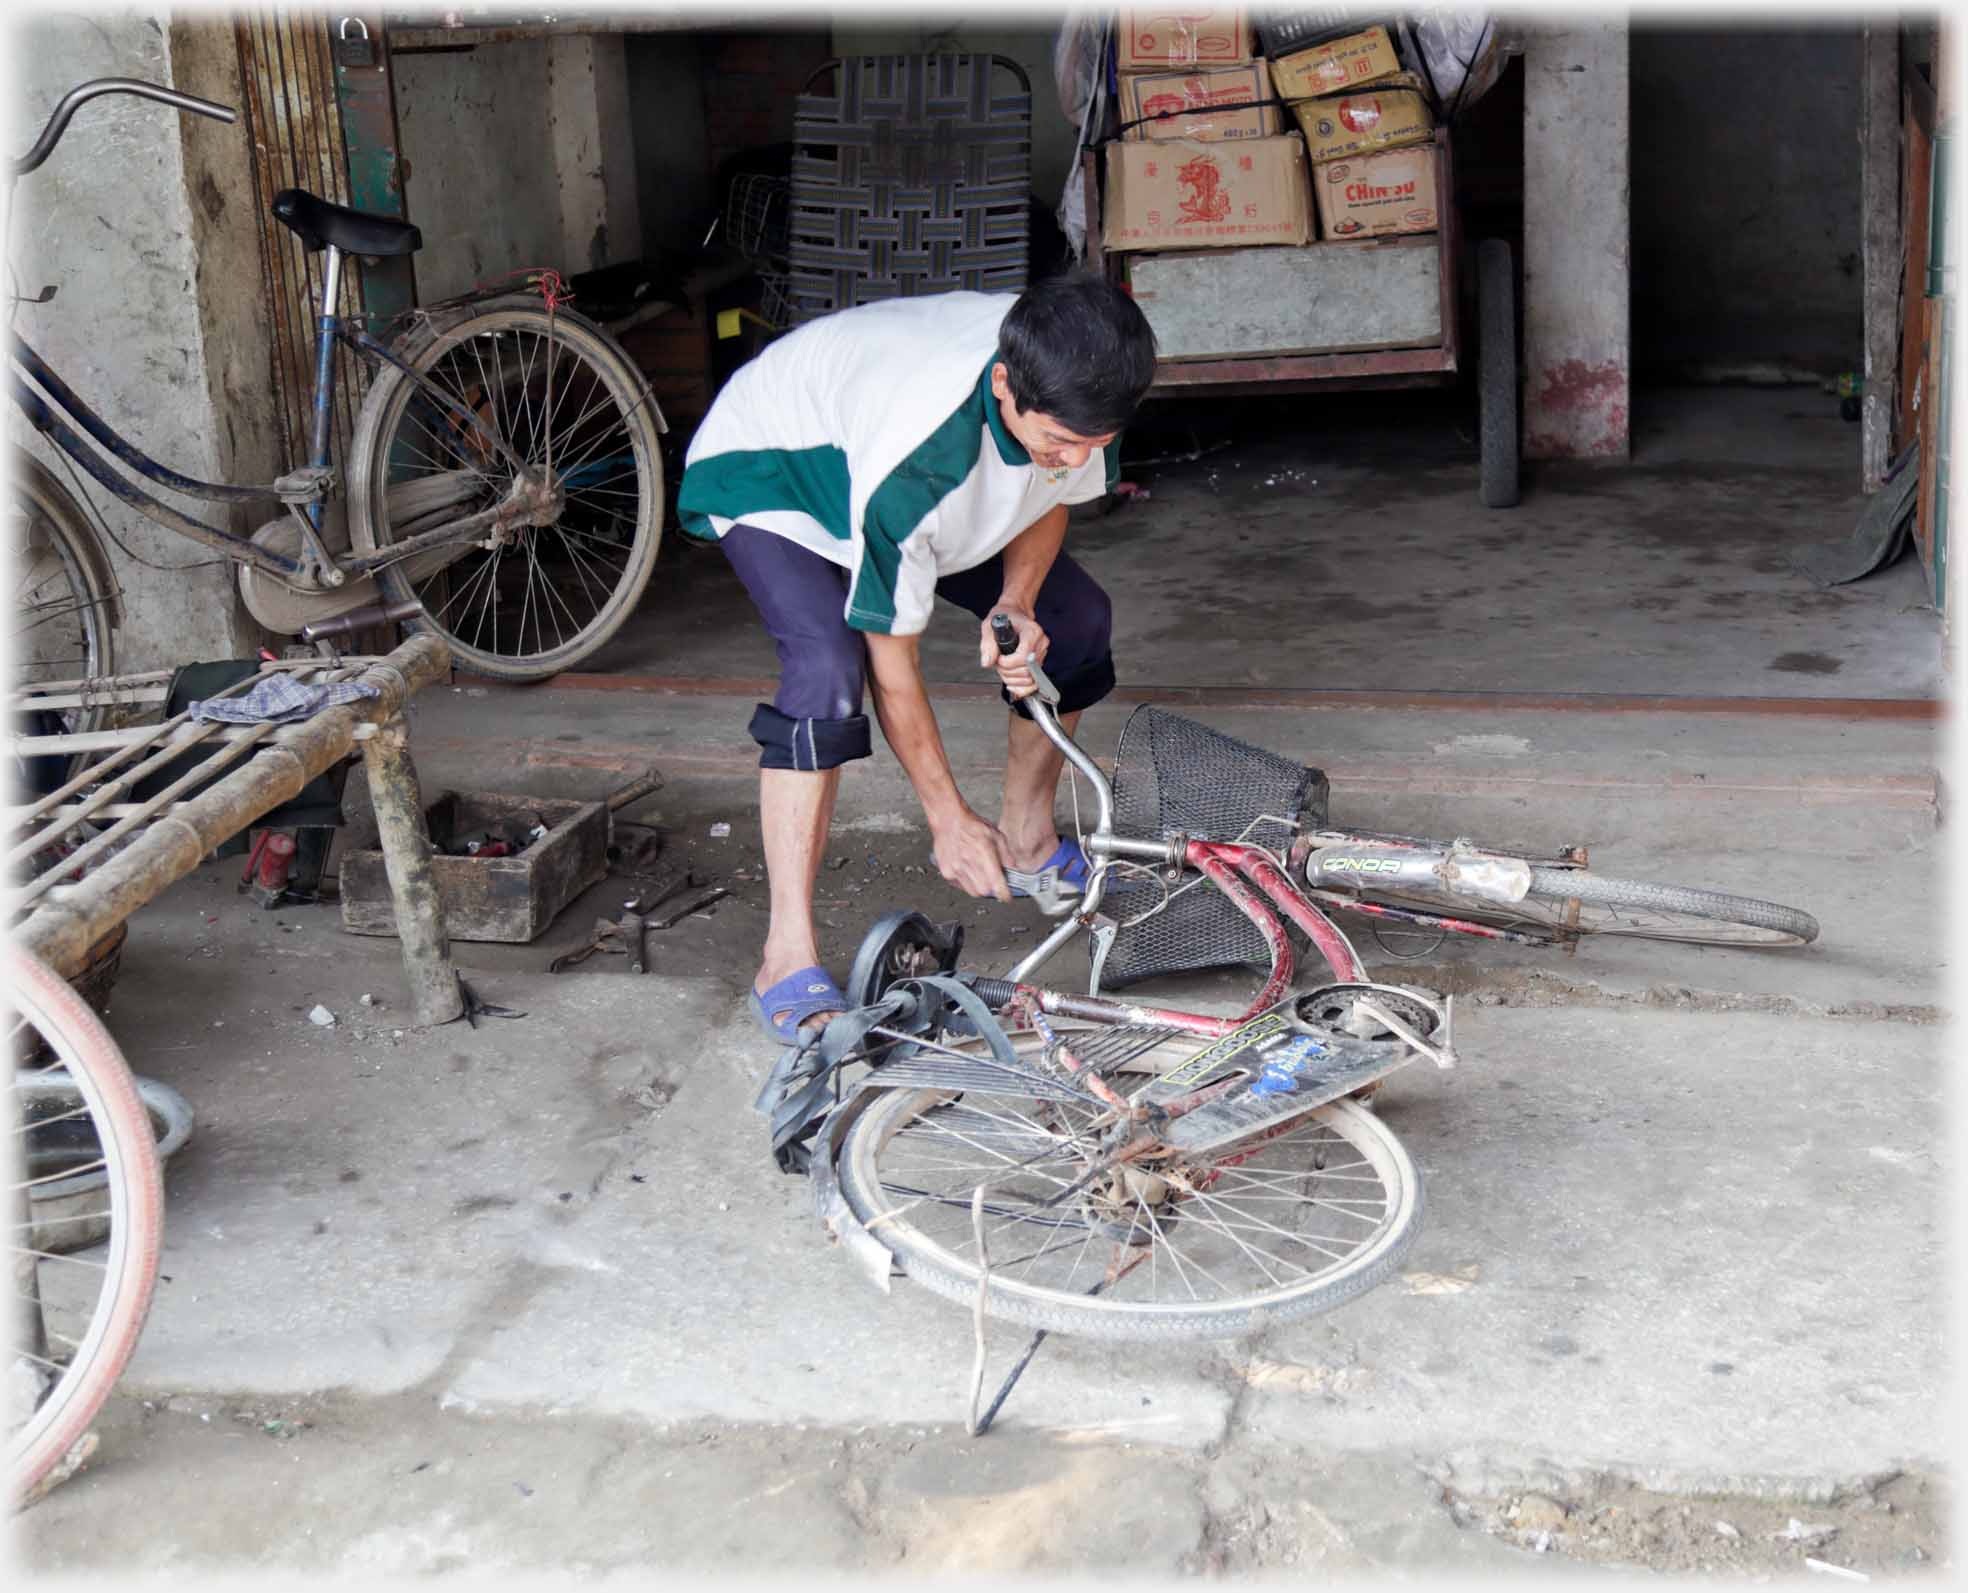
[1879,206]
[1578,356]
[593,142]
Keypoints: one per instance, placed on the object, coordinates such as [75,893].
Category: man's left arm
[1028,559]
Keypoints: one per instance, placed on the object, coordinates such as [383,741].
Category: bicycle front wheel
[540,597]
[1299,1219]
[1575,900]
[64,593]
[1608,906]
[83,1272]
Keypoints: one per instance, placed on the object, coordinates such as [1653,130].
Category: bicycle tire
[1496,374]
[1607,904]
[1619,906]
[1109,1316]
[82,1046]
[382,435]
[79,568]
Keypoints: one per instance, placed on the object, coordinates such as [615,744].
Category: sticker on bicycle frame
[1208,1060]
[1283,1064]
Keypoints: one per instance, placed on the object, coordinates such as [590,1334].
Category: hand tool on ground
[651,779]
[626,934]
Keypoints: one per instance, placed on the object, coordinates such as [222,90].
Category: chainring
[1332,1011]
[901,945]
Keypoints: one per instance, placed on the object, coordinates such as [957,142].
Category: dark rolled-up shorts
[814,721]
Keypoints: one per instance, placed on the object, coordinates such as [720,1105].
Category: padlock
[358,51]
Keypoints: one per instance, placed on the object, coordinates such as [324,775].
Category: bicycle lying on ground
[504,486]
[1136,1172]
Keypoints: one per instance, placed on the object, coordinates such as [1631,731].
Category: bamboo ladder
[132,851]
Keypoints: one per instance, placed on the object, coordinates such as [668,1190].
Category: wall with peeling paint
[108,221]
[1746,226]
[481,186]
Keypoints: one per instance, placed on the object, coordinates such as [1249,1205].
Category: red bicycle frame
[1250,878]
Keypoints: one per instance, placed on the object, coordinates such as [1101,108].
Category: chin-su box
[1377,196]
[1183,193]
[1152,37]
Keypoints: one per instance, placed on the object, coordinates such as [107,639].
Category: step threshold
[1862,709]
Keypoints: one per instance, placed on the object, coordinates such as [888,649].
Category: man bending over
[863,466]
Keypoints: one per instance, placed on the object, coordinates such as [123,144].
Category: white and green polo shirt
[871,437]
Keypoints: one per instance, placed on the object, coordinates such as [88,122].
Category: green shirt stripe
[935,469]
[811,481]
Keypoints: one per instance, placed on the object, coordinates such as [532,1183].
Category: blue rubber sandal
[1055,885]
[800,996]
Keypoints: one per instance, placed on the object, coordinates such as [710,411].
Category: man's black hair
[1077,348]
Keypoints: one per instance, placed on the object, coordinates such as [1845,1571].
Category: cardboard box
[1337,66]
[1183,193]
[1194,93]
[1384,115]
[1195,35]
[1379,195]
[1285,32]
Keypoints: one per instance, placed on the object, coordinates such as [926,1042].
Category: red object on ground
[273,855]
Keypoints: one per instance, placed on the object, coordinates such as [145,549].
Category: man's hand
[1016,678]
[972,854]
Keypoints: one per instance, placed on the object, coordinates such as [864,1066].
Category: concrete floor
[532,1296]
[1338,545]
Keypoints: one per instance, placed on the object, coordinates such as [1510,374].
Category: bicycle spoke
[66,1173]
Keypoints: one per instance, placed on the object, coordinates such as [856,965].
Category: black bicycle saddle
[320,224]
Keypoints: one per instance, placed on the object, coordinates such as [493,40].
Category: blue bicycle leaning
[503,486]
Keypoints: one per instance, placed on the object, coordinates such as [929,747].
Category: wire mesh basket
[1173,774]
[776,298]
[757,208]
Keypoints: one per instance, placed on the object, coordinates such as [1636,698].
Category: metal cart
[1429,357]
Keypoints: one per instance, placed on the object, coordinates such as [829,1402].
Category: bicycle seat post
[321,440]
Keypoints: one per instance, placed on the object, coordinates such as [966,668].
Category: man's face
[1052,445]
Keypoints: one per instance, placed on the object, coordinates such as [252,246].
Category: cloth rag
[279,698]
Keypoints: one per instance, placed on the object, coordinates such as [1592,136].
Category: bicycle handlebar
[82,93]
[1040,705]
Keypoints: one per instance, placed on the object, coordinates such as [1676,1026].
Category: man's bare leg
[796,809]
[1032,766]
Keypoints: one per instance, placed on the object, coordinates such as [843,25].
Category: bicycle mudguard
[799,1092]
[1456,870]
[836,1215]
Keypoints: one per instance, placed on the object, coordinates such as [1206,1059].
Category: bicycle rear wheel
[78,1311]
[562,397]
[1301,1219]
